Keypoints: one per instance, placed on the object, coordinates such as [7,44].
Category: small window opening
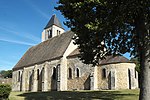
[49,33]
[38,74]
[19,76]
[104,73]
[77,72]
[70,73]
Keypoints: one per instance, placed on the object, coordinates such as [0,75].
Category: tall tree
[104,27]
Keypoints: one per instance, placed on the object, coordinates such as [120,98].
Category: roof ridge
[114,59]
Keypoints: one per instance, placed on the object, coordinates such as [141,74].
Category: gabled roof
[51,49]
[53,21]
[108,60]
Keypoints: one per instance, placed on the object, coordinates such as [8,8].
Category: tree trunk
[145,74]
[144,53]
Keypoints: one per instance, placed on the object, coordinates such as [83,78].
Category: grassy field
[77,95]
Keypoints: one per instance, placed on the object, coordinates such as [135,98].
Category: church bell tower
[52,29]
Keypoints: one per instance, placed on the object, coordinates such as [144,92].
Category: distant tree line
[6,73]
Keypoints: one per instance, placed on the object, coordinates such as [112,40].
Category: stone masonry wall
[30,81]
[102,82]
[6,81]
[16,83]
[83,81]
[121,76]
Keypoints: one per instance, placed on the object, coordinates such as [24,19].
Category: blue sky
[21,25]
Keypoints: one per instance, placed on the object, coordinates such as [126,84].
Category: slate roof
[108,60]
[51,49]
[73,54]
[114,59]
[53,21]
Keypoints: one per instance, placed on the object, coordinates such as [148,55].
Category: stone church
[53,64]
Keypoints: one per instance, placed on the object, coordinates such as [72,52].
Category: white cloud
[5,68]
[21,34]
[31,37]
[40,11]
[8,30]
[37,9]
[17,42]
[6,65]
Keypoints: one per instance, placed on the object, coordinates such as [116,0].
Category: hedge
[5,90]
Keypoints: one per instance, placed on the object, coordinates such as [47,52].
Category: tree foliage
[6,74]
[5,90]
[110,24]
[104,27]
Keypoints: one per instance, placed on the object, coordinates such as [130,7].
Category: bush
[5,90]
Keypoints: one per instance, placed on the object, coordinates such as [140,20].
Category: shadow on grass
[77,95]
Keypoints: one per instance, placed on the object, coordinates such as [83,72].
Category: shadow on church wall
[21,82]
[39,82]
[87,84]
[54,80]
[31,82]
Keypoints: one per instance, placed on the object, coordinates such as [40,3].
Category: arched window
[38,74]
[135,73]
[70,73]
[77,72]
[33,72]
[57,32]
[129,76]
[19,76]
[49,33]
[103,73]
[58,72]
[54,73]
[42,74]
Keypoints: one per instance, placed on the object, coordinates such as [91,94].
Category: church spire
[53,21]
[53,28]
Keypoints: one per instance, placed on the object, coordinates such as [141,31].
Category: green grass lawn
[77,95]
